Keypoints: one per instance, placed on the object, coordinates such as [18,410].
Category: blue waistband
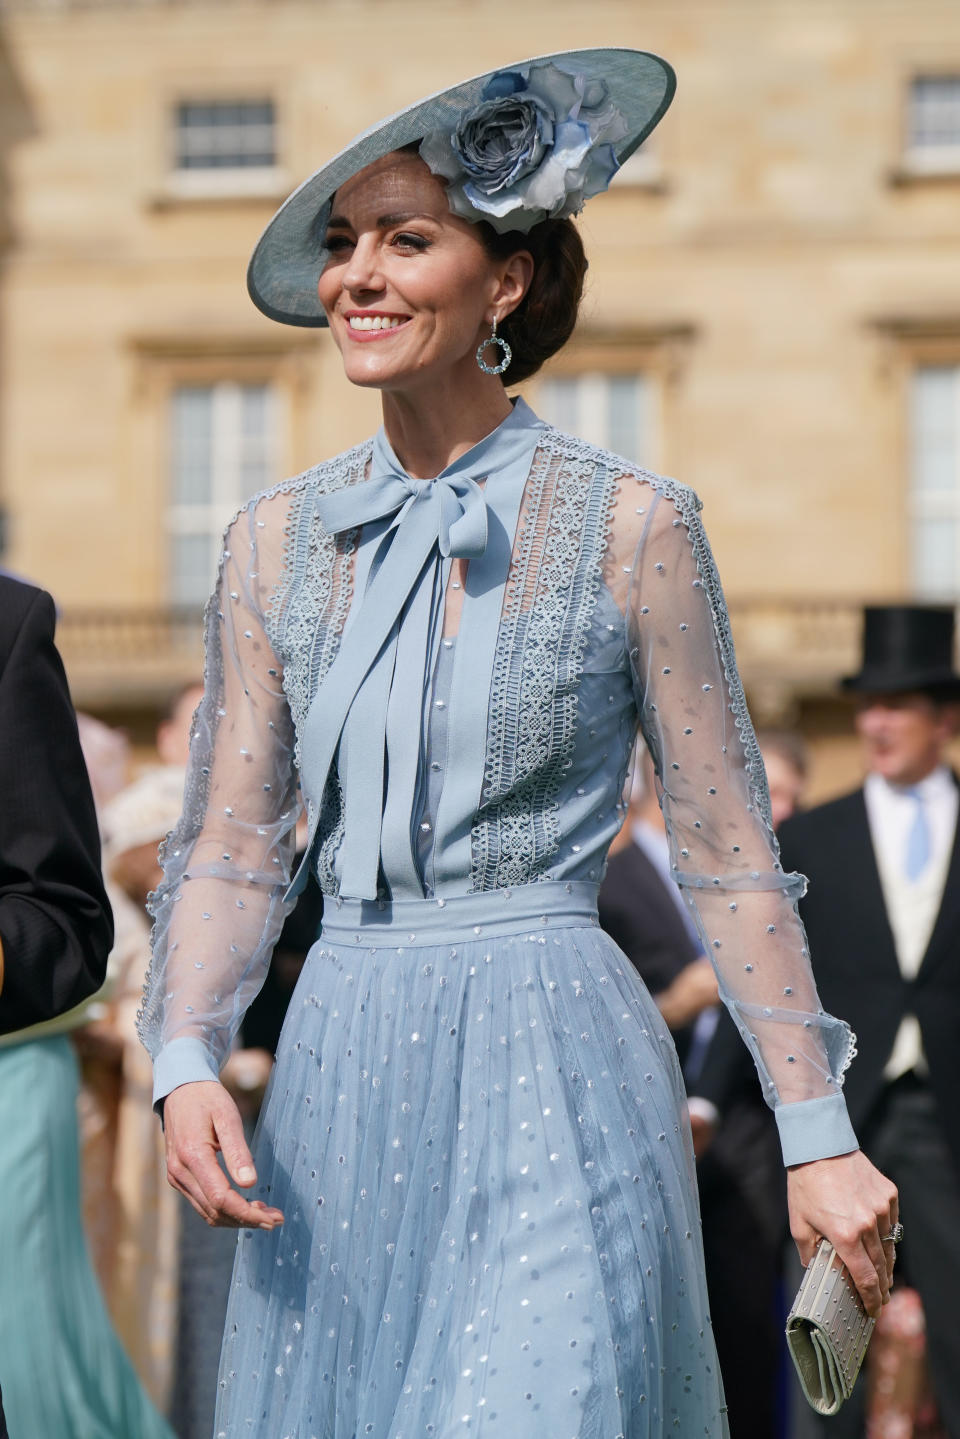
[551,904]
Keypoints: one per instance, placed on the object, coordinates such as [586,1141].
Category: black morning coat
[855,961]
[642,917]
[55,921]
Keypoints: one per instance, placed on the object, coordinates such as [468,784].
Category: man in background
[55,923]
[883,917]
[643,911]
[741,1179]
[739,1168]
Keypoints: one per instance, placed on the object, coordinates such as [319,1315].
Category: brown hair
[544,319]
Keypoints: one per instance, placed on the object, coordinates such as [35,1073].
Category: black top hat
[907,647]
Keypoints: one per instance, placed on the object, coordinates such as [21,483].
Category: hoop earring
[494,339]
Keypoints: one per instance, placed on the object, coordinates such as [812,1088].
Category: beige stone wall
[778,280]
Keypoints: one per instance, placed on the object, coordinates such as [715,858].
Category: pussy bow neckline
[366,703]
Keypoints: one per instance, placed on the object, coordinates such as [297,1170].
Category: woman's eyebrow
[385,222]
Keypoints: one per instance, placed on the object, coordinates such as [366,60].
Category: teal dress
[475,1125]
[64,1372]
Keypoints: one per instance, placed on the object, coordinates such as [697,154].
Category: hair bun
[544,320]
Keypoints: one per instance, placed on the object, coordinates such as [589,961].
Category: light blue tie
[371,701]
[918,839]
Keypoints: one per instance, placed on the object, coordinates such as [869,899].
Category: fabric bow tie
[454,503]
[371,702]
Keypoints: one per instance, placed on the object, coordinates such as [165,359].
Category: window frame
[931,158]
[181,130]
[251,184]
[932,505]
[159,363]
[923,164]
[595,398]
[207,519]
[660,353]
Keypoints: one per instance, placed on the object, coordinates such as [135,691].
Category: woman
[475,1189]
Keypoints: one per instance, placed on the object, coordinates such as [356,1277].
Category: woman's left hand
[849,1202]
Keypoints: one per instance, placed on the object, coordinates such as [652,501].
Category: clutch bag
[828,1331]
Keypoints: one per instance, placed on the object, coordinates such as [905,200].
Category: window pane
[256,439]
[935,558]
[193,560]
[627,427]
[935,480]
[935,111]
[227,135]
[611,411]
[224,450]
[557,403]
[253,410]
[192,444]
[935,429]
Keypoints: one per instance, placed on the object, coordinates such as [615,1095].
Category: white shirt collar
[938,785]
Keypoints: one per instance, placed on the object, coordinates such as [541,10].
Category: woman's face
[409,289]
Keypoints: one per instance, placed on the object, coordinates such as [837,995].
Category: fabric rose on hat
[539,143]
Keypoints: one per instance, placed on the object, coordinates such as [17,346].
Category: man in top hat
[883,917]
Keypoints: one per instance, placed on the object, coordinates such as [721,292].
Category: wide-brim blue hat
[515,145]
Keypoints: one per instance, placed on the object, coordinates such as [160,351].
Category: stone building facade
[773,311]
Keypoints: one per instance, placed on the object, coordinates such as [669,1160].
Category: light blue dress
[474,1127]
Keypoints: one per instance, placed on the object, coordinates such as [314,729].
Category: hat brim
[285,266]
[944,684]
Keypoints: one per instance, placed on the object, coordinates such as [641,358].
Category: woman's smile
[367,325]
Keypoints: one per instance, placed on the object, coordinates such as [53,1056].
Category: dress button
[441,704]
[425,826]
[434,766]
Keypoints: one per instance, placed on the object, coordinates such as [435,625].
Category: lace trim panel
[306,619]
[548,606]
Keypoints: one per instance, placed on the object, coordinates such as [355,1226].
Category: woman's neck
[428,432]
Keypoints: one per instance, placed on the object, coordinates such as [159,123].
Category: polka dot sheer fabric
[474,1123]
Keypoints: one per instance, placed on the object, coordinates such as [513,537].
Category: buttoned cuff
[815,1129]
[182,1061]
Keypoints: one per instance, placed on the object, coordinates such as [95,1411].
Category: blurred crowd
[148,1280]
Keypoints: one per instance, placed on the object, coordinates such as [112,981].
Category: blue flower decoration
[539,143]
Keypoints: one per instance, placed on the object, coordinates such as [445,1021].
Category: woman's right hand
[849,1202]
[200,1121]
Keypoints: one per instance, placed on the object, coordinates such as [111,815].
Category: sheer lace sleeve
[715,802]
[219,908]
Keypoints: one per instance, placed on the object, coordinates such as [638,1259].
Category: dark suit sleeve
[728,1072]
[55,921]
[643,920]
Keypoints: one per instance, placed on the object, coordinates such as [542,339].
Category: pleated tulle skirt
[63,1372]
[474,1132]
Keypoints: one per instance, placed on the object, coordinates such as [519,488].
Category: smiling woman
[410,290]
[548,260]
[473,1179]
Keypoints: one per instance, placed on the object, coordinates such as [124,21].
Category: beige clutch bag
[828,1331]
